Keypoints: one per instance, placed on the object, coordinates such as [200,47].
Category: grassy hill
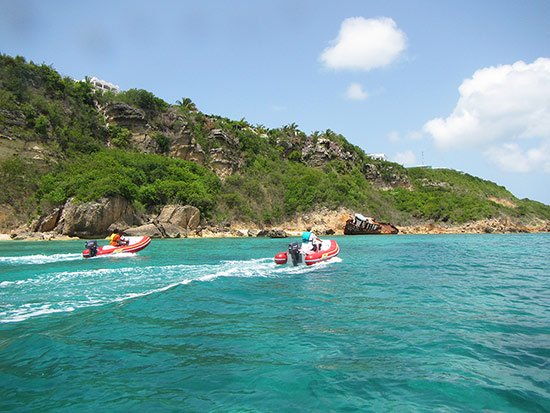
[61,139]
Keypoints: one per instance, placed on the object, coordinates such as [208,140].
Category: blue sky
[458,84]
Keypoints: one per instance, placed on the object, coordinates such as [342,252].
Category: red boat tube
[325,254]
[135,244]
[281,258]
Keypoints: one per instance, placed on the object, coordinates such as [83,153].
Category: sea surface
[406,323]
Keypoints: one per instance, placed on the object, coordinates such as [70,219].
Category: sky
[455,84]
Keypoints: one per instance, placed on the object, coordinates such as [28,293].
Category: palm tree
[187,105]
[291,129]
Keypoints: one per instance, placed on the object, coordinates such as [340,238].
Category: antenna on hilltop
[422,157]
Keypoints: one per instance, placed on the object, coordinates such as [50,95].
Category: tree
[291,129]
[143,99]
[187,105]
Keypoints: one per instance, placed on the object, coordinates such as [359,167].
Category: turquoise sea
[406,323]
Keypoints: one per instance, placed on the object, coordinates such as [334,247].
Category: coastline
[323,229]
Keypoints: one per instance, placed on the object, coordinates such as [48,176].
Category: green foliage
[443,205]
[163,142]
[142,99]
[19,181]
[450,196]
[295,156]
[119,137]
[150,180]
[457,181]
[527,207]
[55,109]
[269,190]
[41,125]
[186,105]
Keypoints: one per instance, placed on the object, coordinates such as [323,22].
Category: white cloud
[394,136]
[365,44]
[407,158]
[355,92]
[499,109]
[510,157]
[414,136]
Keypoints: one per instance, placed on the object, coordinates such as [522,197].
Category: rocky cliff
[223,152]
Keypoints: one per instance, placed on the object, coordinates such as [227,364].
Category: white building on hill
[378,156]
[103,85]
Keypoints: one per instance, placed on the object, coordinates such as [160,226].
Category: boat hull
[329,249]
[323,255]
[135,244]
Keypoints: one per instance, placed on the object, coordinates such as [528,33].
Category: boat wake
[39,259]
[67,291]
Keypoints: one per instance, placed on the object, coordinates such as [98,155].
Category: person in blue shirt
[310,241]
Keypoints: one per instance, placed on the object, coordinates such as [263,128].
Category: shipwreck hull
[369,228]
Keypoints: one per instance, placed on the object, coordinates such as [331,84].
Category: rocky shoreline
[488,226]
[182,222]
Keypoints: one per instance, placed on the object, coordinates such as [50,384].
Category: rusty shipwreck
[361,225]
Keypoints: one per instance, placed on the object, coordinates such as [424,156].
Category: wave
[67,291]
[39,259]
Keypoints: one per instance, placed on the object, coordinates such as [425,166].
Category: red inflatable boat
[135,244]
[329,249]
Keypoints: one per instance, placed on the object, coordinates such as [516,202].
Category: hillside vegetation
[61,139]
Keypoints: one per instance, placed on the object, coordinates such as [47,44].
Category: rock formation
[225,159]
[319,152]
[126,116]
[94,219]
[183,216]
[174,221]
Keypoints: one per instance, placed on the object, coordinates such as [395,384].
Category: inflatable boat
[328,250]
[135,244]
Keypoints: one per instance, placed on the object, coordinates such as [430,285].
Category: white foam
[39,259]
[69,290]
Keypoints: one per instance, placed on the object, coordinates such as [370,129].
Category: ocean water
[407,323]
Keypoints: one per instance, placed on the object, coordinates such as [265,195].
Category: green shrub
[142,99]
[41,125]
[19,181]
[151,180]
[119,136]
[163,142]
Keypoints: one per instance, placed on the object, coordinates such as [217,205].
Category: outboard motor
[91,249]
[294,252]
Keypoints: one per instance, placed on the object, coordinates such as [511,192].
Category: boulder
[174,221]
[277,233]
[150,230]
[49,222]
[184,216]
[93,219]
[171,231]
